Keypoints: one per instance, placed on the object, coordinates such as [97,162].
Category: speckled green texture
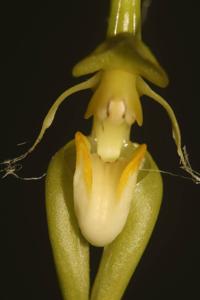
[120,258]
[70,250]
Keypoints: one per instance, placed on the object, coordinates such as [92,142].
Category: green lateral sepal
[121,257]
[70,249]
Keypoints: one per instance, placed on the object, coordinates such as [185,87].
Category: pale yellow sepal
[127,53]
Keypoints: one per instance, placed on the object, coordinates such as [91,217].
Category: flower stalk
[125,17]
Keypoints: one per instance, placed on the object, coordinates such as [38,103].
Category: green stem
[125,16]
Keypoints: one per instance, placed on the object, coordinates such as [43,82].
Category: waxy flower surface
[103,191]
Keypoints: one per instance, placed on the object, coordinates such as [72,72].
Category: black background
[40,43]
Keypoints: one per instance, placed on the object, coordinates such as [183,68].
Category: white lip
[102,193]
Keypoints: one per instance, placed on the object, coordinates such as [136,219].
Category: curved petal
[144,89]
[11,164]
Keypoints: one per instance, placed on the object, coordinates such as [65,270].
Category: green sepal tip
[127,53]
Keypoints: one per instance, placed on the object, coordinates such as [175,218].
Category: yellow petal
[131,168]
[83,159]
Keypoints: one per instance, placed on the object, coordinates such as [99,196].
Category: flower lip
[103,191]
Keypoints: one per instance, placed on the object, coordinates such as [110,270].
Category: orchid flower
[99,188]
[115,202]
